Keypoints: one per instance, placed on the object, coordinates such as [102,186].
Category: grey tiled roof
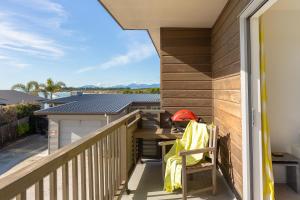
[15,97]
[69,99]
[3,102]
[97,103]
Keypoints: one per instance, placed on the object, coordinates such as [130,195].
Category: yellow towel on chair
[195,137]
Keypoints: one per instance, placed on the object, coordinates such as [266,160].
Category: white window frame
[249,37]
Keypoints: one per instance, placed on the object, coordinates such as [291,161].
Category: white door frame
[250,98]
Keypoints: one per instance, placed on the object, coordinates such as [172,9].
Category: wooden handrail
[152,111]
[16,183]
[133,122]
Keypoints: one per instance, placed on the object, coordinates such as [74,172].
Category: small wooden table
[154,133]
[292,165]
[157,133]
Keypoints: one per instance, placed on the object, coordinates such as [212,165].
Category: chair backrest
[213,136]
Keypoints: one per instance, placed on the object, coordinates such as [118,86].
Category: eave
[152,15]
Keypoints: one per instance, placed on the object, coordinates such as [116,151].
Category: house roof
[97,104]
[14,97]
[154,14]
[3,102]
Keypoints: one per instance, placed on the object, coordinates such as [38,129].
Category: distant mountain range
[89,86]
[131,86]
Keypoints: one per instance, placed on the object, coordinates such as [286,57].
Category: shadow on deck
[146,183]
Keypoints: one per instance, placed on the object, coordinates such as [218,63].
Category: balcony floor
[146,183]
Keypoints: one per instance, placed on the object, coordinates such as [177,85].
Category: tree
[32,87]
[51,87]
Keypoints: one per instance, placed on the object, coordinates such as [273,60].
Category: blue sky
[76,42]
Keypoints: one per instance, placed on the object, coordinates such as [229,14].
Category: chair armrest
[165,143]
[196,151]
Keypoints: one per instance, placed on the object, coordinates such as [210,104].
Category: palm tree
[32,87]
[51,87]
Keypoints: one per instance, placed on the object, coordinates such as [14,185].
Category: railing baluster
[21,196]
[101,166]
[110,166]
[113,161]
[75,178]
[96,171]
[118,158]
[53,185]
[83,175]
[106,160]
[124,171]
[90,174]
[65,181]
[39,190]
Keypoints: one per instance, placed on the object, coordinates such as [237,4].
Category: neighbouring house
[73,117]
[221,59]
[3,102]
[9,97]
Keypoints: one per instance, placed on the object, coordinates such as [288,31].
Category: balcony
[101,166]
[146,183]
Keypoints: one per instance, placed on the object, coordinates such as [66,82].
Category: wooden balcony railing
[95,167]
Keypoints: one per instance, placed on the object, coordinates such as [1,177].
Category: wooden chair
[202,166]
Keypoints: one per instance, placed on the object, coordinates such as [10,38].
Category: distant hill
[131,86]
[89,86]
[138,86]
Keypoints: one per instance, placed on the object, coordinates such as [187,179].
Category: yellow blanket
[195,137]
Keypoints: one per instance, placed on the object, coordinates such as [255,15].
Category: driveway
[20,150]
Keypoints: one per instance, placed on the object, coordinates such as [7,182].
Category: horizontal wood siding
[186,75]
[225,60]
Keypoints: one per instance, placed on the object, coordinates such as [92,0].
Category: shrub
[8,115]
[12,113]
[24,110]
[2,118]
[23,129]
[142,91]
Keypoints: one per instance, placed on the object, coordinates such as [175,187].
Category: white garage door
[72,130]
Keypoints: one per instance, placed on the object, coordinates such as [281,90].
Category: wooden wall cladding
[186,75]
[225,60]
[200,71]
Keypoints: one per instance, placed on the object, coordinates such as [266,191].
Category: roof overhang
[151,15]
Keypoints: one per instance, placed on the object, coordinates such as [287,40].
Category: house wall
[73,127]
[282,49]
[112,118]
[186,71]
[225,52]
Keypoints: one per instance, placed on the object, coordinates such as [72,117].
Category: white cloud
[45,5]
[135,54]
[85,69]
[2,57]
[12,38]
[6,61]
[22,32]
[53,14]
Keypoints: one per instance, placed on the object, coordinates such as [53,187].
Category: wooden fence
[95,167]
[8,132]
